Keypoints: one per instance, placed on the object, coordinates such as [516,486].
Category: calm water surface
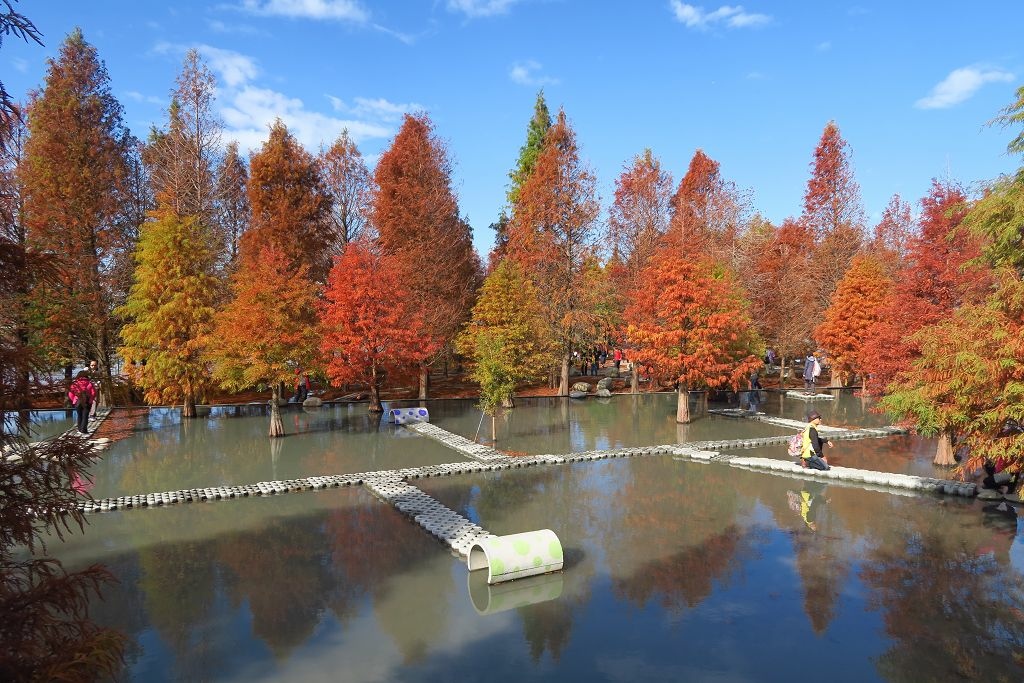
[674,570]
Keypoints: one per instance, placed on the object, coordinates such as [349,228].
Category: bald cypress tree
[73,175]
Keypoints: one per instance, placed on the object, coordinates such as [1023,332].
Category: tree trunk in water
[424,381]
[563,382]
[944,451]
[494,431]
[634,380]
[375,406]
[276,425]
[508,403]
[682,405]
[838,381]
[782,373]
[188,408]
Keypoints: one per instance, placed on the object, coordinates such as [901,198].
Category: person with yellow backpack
[812,453]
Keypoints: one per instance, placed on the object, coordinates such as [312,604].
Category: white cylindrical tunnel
[517,555]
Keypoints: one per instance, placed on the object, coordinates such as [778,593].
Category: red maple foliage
[706,211]
[372,328]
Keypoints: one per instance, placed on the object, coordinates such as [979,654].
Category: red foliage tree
[372,327]
[688,321]
[832,211]
[935,281]
[417,220]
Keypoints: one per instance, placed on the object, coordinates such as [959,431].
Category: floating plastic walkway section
[536,549]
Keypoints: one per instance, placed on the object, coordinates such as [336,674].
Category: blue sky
[911,84]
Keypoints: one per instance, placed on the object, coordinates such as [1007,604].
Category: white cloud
[375,109]
[139,97]
[234,68]
[960,85]
[20,64]
[341,10]
[526,73]
[480,8]
[222,27]
[248,109]
[731,16]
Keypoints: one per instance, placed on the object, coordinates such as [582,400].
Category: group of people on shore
[590,362]
[82,394]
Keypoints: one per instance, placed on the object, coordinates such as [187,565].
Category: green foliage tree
[503,338]
[170,310]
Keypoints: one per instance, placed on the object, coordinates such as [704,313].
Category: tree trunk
[682,405]
[508,402]
[634,380]
[424,381]
[375,406]
[563,382]
[782,373]
[494,431]
[188,408]
[837,379]
[276,425]
[944,451]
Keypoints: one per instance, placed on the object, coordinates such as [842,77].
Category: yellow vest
[807,451]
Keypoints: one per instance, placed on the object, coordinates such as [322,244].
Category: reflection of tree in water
[674,533]
[951,602]
[564,500]
[375,551]
[820,547]
[282,570]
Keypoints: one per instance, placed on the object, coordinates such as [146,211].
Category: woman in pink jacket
[82,394]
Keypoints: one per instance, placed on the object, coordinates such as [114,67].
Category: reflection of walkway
[459,534]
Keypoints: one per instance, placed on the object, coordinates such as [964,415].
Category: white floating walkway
[804,396]
[771,419]
[456,442]
[94,422]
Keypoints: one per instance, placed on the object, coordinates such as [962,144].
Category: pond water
[674,570]
[43,424]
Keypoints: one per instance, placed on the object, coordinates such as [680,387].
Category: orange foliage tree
[289,204]
[854,309]
[552,238]
[832,211]
[350,185]
[893,234]
[417,220]
[687,320]
[269,327]
[372,327]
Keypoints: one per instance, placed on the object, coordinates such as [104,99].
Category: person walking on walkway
[82,395]
[809,364]
[813,445]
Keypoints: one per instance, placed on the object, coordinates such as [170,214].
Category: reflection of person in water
[808,503]
[1001,520]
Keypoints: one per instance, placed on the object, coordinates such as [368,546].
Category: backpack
[795,446]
